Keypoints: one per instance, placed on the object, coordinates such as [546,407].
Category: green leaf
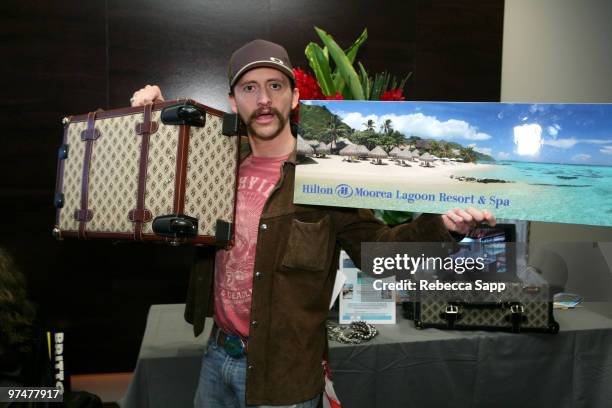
[338,82]
[351,52]
[320,66]
[326,54]
[381,84]
[403,83]
[365,81]
[345,67]
[393,217]
[376,85]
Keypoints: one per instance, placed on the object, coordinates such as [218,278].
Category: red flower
[307,84]
[392,95]
[337,97]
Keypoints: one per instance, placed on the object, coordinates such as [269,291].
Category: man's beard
[282,121]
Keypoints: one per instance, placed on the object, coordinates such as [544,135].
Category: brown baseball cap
[259,53]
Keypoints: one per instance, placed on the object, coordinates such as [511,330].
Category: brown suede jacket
[294,273]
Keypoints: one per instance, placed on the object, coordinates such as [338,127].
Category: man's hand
[462,221]
[148,94]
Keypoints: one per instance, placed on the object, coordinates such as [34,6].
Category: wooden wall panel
[73,56]
[184,48]
[458,50]
[53,63]
[391,30]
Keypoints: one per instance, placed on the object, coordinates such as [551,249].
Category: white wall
[558,51]
[561,51]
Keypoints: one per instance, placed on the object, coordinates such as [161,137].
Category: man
[269,294]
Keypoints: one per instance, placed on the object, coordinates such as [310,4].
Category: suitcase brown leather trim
[145,130]
[91,133]
[59,181]
[181,171]
[129,236]
[88,136]
[140,216]
[156,106]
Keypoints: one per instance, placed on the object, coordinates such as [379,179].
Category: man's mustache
[260,111]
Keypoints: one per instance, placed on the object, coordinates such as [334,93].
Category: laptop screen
[495,246]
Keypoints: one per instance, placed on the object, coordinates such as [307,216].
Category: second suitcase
[524,306]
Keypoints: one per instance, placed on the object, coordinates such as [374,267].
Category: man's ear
[232,100]
[296,98]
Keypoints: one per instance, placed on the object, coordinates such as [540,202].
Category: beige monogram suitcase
[162,172]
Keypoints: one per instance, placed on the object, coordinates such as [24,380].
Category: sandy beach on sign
[431,189]
[333,167]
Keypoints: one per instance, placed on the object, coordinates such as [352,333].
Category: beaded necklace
[356,333]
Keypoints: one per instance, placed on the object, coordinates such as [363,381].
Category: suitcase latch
[452,309]
[516,317]
[517,308]
[451,314]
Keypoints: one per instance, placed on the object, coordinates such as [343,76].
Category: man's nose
[262,97]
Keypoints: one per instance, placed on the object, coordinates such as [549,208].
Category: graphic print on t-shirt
[242,256]
[234,267]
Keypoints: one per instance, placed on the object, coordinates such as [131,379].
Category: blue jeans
[223,382]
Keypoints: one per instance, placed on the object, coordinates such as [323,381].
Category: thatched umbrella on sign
[303,148]
[394,152]
[378,153]
[349,152]
[364,152]
[322,149]
[405,155]
[427,159]
[338,145]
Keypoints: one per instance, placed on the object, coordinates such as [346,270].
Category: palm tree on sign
[468,154]
[335,130]
[369,125]
[387,127]
[446,150]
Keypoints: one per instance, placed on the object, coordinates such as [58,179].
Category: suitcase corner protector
[57,233]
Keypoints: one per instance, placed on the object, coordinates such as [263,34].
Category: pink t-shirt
[234,267]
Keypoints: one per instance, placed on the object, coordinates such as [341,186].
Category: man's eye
[248,88]
[276,86]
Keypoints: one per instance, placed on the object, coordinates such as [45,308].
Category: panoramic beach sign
[538,162]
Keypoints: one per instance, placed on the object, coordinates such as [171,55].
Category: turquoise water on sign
[579,192]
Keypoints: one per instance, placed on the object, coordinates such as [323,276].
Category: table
[406,367]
